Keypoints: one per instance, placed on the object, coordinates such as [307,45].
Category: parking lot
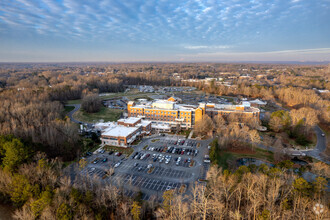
[157,164]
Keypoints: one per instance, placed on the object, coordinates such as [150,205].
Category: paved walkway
[191,134]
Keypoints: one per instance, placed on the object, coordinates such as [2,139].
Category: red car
[119,154]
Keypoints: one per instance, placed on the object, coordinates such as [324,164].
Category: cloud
[195,20]
[207,47]
[196,24]
[316,54]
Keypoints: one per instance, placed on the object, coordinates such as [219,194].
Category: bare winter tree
[91,103]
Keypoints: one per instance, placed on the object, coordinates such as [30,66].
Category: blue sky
[164,30]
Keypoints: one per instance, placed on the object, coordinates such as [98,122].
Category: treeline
[38,189]
[250,193]
[32,116]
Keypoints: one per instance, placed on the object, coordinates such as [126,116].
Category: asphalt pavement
[70,114]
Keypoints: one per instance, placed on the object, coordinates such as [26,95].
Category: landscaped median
[127,151]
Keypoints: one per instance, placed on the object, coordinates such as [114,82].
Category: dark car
[105,160]
[134,155]
[111,152]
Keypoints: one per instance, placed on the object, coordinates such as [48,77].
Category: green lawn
[222,159]
[68,109]
[224,156]
[259,154]
[106,114]
[185,132]
[77,101]
[132,95]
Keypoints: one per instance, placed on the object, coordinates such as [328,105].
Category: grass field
[131,95]
[224,156]
[258,154]
[105,114]
[68,109]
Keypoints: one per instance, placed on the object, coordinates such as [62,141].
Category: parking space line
[155,185]
[142,180]
[164,187]
[150,183]
[146,183]
[135,180]
[159,186]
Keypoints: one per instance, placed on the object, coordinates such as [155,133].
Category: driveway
[70,114]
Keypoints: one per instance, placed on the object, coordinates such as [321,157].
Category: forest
[37,140]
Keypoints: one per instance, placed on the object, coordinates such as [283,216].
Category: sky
[164,30]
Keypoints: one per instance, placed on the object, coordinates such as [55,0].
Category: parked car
[133,156]
[117,164]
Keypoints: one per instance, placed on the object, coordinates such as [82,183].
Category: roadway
[321,145]
[70,115]
[314,153]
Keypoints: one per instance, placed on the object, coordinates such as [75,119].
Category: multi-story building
[124,132]
[170,113]
[163,112]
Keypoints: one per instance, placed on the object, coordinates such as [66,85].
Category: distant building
[257,103]
[174,99]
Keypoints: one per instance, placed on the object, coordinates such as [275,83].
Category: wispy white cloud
[316,54]
[190,47]
[204,25]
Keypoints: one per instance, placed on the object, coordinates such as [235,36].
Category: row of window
[160,112]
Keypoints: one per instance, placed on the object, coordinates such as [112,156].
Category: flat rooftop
[130,120]
[120,131]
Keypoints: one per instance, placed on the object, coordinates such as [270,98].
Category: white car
[323,134]
[117,164]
